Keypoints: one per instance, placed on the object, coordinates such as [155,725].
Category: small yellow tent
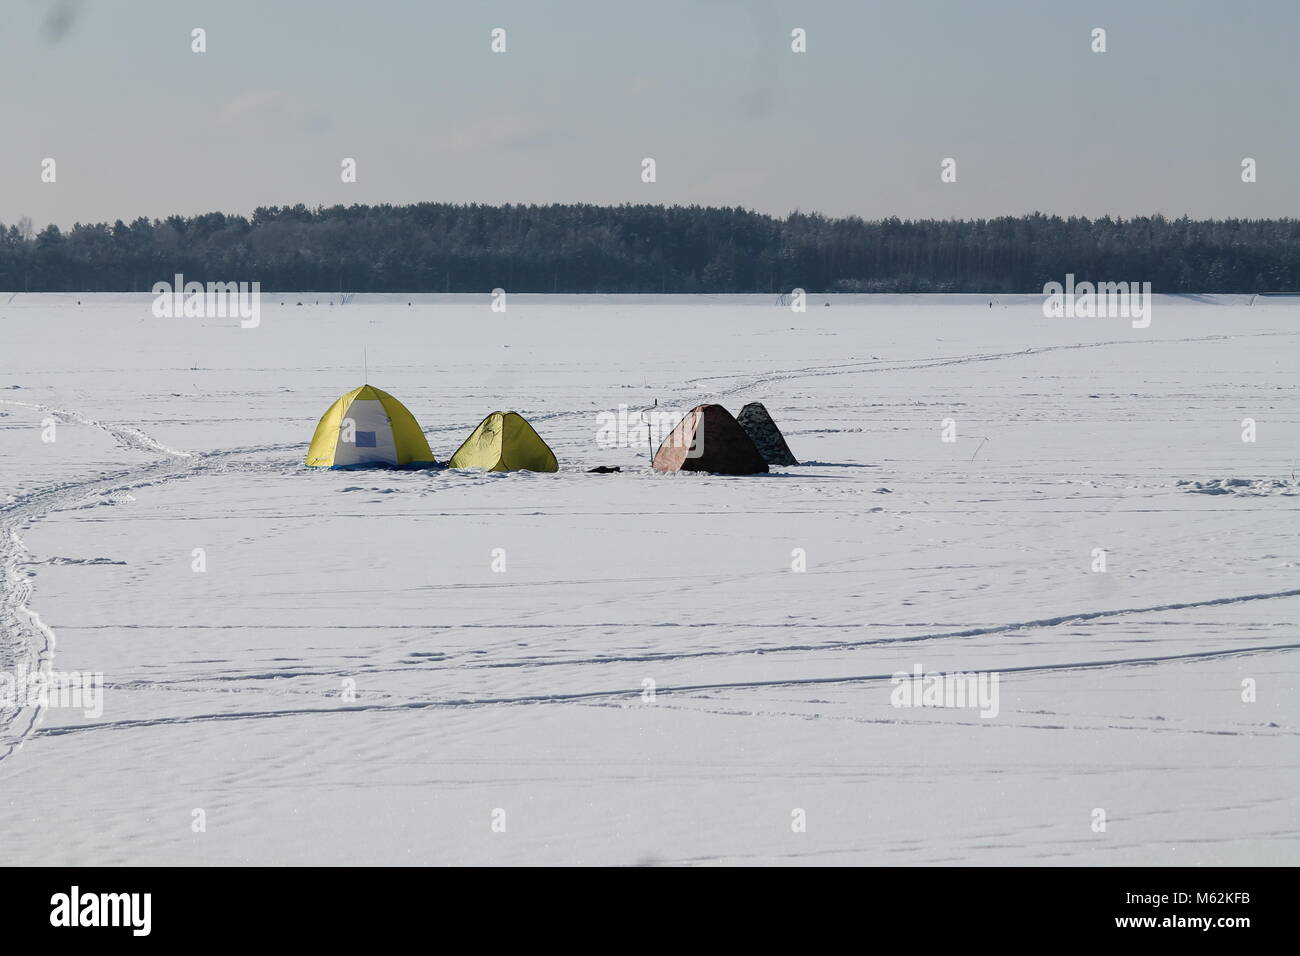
[504,441]
[367,427]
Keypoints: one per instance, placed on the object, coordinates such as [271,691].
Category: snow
[521,690]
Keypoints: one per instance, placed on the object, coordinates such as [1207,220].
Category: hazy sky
[140,125]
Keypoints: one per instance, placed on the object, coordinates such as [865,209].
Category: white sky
[859,124]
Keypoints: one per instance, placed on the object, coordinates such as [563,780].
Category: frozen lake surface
[1161,691]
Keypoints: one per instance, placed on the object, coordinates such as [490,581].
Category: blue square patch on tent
[366,440]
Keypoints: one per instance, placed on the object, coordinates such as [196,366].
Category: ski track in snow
[748,383]
[127,436]
[16,589]
[31,641]
[35,505]
[465,661]
[632,694]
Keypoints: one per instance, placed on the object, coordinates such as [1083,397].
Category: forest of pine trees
[442,247]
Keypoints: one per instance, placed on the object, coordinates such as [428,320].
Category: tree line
[445,247]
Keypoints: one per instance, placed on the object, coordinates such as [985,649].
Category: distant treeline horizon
[446,247]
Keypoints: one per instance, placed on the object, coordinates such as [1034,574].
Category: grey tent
[767,438]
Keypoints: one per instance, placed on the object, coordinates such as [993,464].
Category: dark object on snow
[709,439]
[603,470]
[767,438]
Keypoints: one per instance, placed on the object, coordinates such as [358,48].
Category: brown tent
[709,439]
[767,438]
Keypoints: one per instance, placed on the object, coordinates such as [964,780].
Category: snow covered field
[476,691]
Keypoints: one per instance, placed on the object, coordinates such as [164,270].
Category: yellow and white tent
[504,441]
[367,427]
